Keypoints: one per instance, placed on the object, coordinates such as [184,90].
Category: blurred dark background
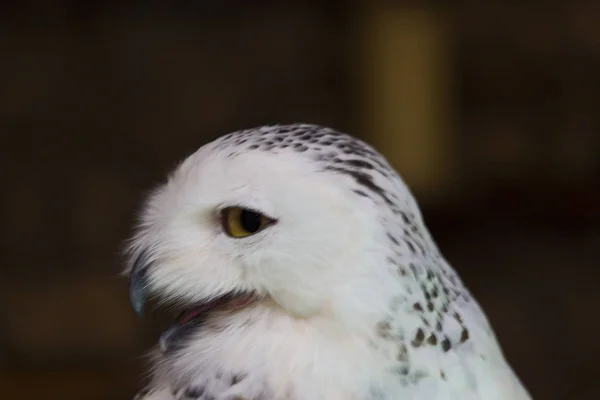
[490,110]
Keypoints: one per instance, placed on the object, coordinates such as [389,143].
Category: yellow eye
[240,222]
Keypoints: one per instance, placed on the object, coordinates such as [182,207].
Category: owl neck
[266,345]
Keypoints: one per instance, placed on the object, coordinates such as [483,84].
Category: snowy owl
[302,269]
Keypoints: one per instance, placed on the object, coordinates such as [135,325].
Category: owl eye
[240,222]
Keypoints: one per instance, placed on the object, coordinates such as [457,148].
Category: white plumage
[342,295]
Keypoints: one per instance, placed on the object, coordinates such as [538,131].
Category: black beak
[138,284]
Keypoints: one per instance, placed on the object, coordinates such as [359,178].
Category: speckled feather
[424,337]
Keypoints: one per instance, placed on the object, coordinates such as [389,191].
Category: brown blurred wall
[99,102]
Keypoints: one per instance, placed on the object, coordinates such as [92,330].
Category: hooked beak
[190,318]
[138,284]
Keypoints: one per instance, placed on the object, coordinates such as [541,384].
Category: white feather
[328,283]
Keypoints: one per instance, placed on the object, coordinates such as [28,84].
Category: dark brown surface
[66,384]
[99,102]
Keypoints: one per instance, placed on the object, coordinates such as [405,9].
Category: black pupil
[250,221]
